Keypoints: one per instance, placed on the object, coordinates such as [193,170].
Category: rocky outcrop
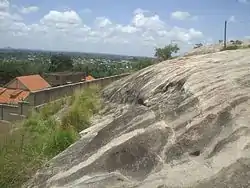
[180,123]
[212,48]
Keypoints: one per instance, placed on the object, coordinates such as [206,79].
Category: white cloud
[61,20]
[28,10]
[66,30]
[232,19]
[147,22]
[4,5]
[102,22]
[243,1]
[6,17]
[126,28]
[179,15]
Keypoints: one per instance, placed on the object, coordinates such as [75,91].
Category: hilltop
[179,123]
[217,47]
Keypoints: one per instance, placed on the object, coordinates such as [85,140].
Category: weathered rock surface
[180,123]
[214,48]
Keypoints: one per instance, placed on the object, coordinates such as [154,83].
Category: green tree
[141,64]
[60,62]
[10,69]
[166,52]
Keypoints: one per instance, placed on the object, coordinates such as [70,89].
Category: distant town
[20,62]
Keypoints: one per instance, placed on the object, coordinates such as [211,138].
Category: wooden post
[1,112]
[225,35]
[21,105]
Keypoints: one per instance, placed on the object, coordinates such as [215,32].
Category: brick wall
[38,98]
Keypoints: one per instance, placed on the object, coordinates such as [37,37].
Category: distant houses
[19,88]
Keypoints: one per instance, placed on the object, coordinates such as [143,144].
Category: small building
[62,78]
[19,88]
[28,83]
[12,96]
[88,78]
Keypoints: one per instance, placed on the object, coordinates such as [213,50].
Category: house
[88,78]
[19,88]
[62,78]
[12,96]
[28,83]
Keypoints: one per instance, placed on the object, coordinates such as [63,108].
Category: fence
[37,98]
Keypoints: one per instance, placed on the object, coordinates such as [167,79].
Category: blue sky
[123,27]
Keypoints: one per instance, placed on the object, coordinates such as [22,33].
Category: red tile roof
[88,78]
[8,96]
[33,82]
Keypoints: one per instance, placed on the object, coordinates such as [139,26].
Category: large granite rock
[215,48]
[180,123]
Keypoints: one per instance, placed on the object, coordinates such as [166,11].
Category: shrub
[84,105]
[231,47]
[52,108]
[235,47]
[59,140]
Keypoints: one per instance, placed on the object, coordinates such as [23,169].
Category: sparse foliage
[236,42]
[166,52]
[198,45]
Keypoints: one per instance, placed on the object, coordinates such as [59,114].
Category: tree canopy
[166,52]
[60,62]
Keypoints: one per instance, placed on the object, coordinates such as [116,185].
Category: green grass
[41,137]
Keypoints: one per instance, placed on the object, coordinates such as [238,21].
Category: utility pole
[225,35]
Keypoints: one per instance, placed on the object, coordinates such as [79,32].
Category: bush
[235,47]
[84,105]
[231,47]
[52,108]
[40,137]
[166,52]
[59,140]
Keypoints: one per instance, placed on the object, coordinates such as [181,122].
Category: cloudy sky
[118,26]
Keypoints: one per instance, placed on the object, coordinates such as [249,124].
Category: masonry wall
[38,98]
[62,79]
[14,112]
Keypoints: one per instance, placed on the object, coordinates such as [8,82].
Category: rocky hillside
[180,123]
[215,48]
